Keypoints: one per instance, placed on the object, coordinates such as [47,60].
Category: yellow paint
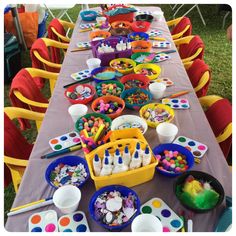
[156,204]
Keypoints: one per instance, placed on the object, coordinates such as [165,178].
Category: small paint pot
[157,89]
[166,132]
[67,198]
[77,110]
[146,223]
[93,63]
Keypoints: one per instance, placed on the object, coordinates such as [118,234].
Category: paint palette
[45,221]
[196,148]
[161,57]
[154,33]
[81,45]
[140,12]
[64,141]
[81,75]
[170,221]
[87,26]
[176,103]
[162,44]
[165,80]
[75,222]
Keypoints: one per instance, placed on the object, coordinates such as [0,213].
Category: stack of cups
[157,89]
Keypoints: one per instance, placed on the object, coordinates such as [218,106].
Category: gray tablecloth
[191,123]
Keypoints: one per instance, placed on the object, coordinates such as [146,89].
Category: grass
[218,55]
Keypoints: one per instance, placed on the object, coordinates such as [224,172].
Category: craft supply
[157,90]
[120,166]
[113,88]
[138,149]
[106,168]
[141,46]
[99,132]
[166,132]
[126,156]
[97,165]
[86,30]
[196,148]
[157,207]
[152,71]
[93,63]
[83,81]
[123,65]
[162,44]
[77,110]
[81,75]
[190,225]
[79,49]
[155,33]
[44,221]
[146,160]
[88,26]
[159,57]
[175,103]
[166,52]
[174,95]
[67,198]
[75,222]
[101,74]
[116,156]
[136,161]
[107,136]
[165,80]
[138,36]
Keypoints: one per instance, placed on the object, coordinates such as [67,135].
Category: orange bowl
[121,24]
[99,34]
[141,46]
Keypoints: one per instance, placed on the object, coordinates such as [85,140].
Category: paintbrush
[174,95]
[80,49]
[82,81]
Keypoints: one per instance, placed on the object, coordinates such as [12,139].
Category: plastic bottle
[109,156]
[138,149]
[146,157]
[106,169]
[136,161]
[116,157]
[126,156]
[120,167]
[128,44]
[97,165]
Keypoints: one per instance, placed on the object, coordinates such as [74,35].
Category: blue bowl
[88,15]
[140,34]
[174,147]
[133,90]
[124,192]
[69,160]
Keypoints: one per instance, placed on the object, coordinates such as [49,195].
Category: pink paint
[76,140]
[183,101]
[201,147]
[50,228]
[166,229]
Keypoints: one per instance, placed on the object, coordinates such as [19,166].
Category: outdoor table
[191,123]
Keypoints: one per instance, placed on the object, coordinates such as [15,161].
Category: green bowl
[119,84]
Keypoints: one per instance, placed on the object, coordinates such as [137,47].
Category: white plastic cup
[67,198]
[157,89]
[93,63]
[166,132]
[146,223]
[77,110]
[158,15]
[101,20]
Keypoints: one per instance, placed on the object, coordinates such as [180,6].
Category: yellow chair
[15,165]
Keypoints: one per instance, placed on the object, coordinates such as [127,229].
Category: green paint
[147,209]
[182,139]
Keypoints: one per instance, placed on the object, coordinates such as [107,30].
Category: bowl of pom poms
[135,98]
[152,71]
[123,65]
[80,94]
[135,81]
[173,159]
[199,191]
[135,36]
[111,106]
[110,87]
[67,170]
[114,207]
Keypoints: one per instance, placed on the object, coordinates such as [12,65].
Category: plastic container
[100,70]
[154,67]
[120,139]
[93,63]
[120,32]
[77,110]
[88,15]
[80,101]
[144,79]
[215,184]
[140,26]
[124,192]
[101,20]
[144,17]
[68,160]
[174,147]
[141,46]
[121,24]
[119,84]
[135,36]
[139,54]
[99,34]
[109,99]
[157,90]
[166,132]
[124,60]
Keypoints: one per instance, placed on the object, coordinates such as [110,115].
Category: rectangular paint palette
[170,221]
[165,80]
[81,45]
[81,75]
[74,222]
[162,44]
[161,57]
[45,221]
[154,33]
[176,103]
[86,26]
[65,141]
[196,148]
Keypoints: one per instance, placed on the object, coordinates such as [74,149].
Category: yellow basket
[126,60]
[154,67]
[129,178]
[153,106]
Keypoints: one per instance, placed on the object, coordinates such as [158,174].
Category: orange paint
[36,219]
[189,148]
[64,221]
[54,141]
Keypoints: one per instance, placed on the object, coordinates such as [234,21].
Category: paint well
[54,141]
[78,217]
[147,209]
[36,229]
[81,228]
[58,147]
[182,139]
[166,213]
[64,221]
[201,147]
[156,204]
[35,219]
[50,228]
[191,143]
[175,223]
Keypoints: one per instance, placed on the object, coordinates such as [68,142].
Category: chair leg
[226,15]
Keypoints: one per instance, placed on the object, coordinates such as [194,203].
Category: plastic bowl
[122,121]
[174,147]
[68,160]
[121,24]
[135,36]
[124,192]
[123,61]
[140,26]
[103,69]
[88,15]
[138,70]
[135,56]
[117,83]
[80,101]
[107,99]
[144,17]
[99,34]
[215,184]
[141,46]
[135,106]
[142,78]
[119,31]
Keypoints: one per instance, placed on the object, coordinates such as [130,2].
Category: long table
[191,123]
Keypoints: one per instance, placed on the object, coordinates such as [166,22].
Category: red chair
[199,74]
[219,115]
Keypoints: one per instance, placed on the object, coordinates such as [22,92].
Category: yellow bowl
[125,60]
[154,67]
[153,106]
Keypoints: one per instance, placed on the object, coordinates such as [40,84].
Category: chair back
[184,27]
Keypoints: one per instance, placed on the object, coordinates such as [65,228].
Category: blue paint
[36,229]
[63,138]
[175,101]
[78,217]
[175,223]
[81,228]
[67,230]
[191,143]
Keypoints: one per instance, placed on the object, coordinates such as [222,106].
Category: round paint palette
[170,221]
[45,221]
[74,222]
[176,103]
[166,81]
[81,75]
[154,33]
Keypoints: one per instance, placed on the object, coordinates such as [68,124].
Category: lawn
[218,55]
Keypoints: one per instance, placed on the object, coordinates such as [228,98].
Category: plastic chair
[200,76]
[219,115]
[181,27]
[20,147]
[190,48]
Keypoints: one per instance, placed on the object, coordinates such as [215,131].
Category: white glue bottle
[136,161]
[106,169]
[138,149]
[129,44]
[146,157]
[109,156]
[97,165]
[116,157]
[126,156]
[120,167]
